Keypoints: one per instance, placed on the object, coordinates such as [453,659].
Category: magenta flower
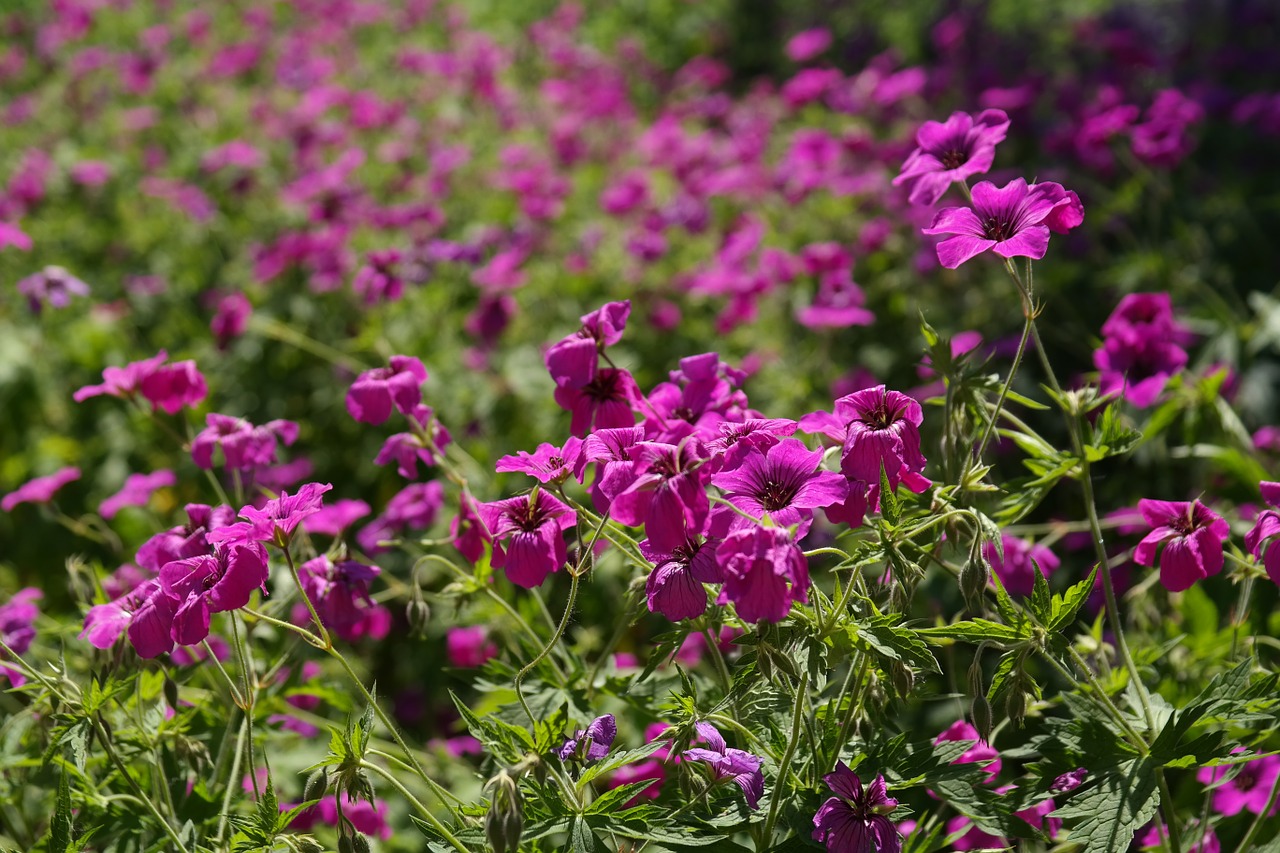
[737,440]
[1012,221]
[333,519]
[956,150]
[573,361]
[244,446]
[136,491]
[764,571]
[1017,568]
[1069,781]
[786,482]
[807,44]
[728,764]
[467,530]
[533,526]
[1155,840]
[53,285]
[374,392]
[145,612]
[1141,348]
[1261,540]
[978,751]
[668,496]
[275,521]
[12,235]
[211,583]
[856,819]
[675,586]
[469,647]
[17,628]
[591,743]
[173,386]
[122,381]
[406,449]
[40,490]
[1248,790]
[178,543]
[607,401]
[339,592]
[547,464]
[1186,541]
[610,449]
[231,319]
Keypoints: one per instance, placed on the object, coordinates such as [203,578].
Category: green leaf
[611,801]
[1124,800]
[581,838]
[60,830]
[1066,606]
[615,760]
[1041,598]
[975,631]
[896,643]
[890,506]
[75,742]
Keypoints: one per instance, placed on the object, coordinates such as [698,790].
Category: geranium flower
[668,496]
[244,446]
[1261,540]
[764,571]
[372,395]
[1012,221]
[1018,566]
[573,360]
[606,401]
[40,490]
[1186,541]
[17,628]
[961,730]
[54,285]
[728,764]
[172,386]
[212,583]
[533,526]
[547,464]
[610,449]
[136,491]
[856,819]
[469,647]
[952,151]
[593,741]
[1248,790]
[674,587]
[276,519]
[786,482]
[414,507]
[333,519]
[122,381]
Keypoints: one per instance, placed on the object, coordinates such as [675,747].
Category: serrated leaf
[1041,598]
[974,631]
[581,838]
[1066,607]
[612,800]
[618,759]
[890,507]
[896,643]
[75,742]
[1123,800]
[60,829]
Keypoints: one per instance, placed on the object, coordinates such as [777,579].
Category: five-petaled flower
[951,151]
[533,528]
[856,819]
[1186,541]
[1012,221]
[591,743]
[728,764]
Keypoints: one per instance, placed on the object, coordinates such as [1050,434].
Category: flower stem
[423,810]
[546,650]
[797,723]
[105,740]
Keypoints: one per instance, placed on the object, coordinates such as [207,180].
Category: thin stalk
[246,668]
[847,719]
[133,783]
[321,630]
[423,810]
[1028,316]
[546,650]
[797,723]
[236,755]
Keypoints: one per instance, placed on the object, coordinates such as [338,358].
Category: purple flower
[786,481]
[104,623]
[275,521]
[467,530]
[136,491]
[1141,348]
[728,764]
[469,647]
[17,628]
[333,519]
[122,381]
[1013,221]
[1069,781]
[1186,541]
[764,571]
[674,587]
[1156,840]
[961,147]
[231,319]
[547,464]
[40,490]
[1261,540]
[372,395]
[736,440]
[961,730]
[211,583]
[606,401]
[856,819]
[244,446]
[668,496]
[592,743]
[412,508]
[380,279]
[573,361]
[533,526]
[53,285]
[610,449]
[807,44]
[1017,568]
[339,592]
[173,386]
[406,449]
[1248,790]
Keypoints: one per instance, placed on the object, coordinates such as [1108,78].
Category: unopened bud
[170,692]
[317,784]
[1015,705]
[418,613]
[307,844]
[504,823]
[973,581]
[980,710]
[345,845]
[898,599]
[359,844]
[903,679]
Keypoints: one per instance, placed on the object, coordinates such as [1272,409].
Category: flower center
[685,413]
[997,229]
[953,158]
[775,494]
[1246,779]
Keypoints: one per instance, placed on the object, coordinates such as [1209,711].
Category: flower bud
[899,599]
[307,844]
[170,692]
[973,580]
[418,614]
[359,844]
[345,845]
[1015,705]
[980,710]
[903,679]
[317,784]
[504,823]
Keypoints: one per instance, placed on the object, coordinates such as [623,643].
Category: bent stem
[797,723]
[426,813]
[546,650]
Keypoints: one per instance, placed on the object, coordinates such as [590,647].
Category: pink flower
[956,150]
[40,490]
[17,628]
[201,586]
[1248,790]
[1012,221]
[668,495]
[1261,540]
[1017,568]
[533,527]
[807,44]
[375,391]
[547,464]
[764,571]
[1186,541]
[231,319]
[136,491]
[339,592]
[244,446]
[333,519]
[675,585]
[961,730]
[469,647]
[275,521]
[172,386]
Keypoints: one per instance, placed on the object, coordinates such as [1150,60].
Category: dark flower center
[685,413]
[998,229]
[953,158]
[1246,779]
[555,462]
[881,416]
[530,516]
[775,494]
[604,388]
